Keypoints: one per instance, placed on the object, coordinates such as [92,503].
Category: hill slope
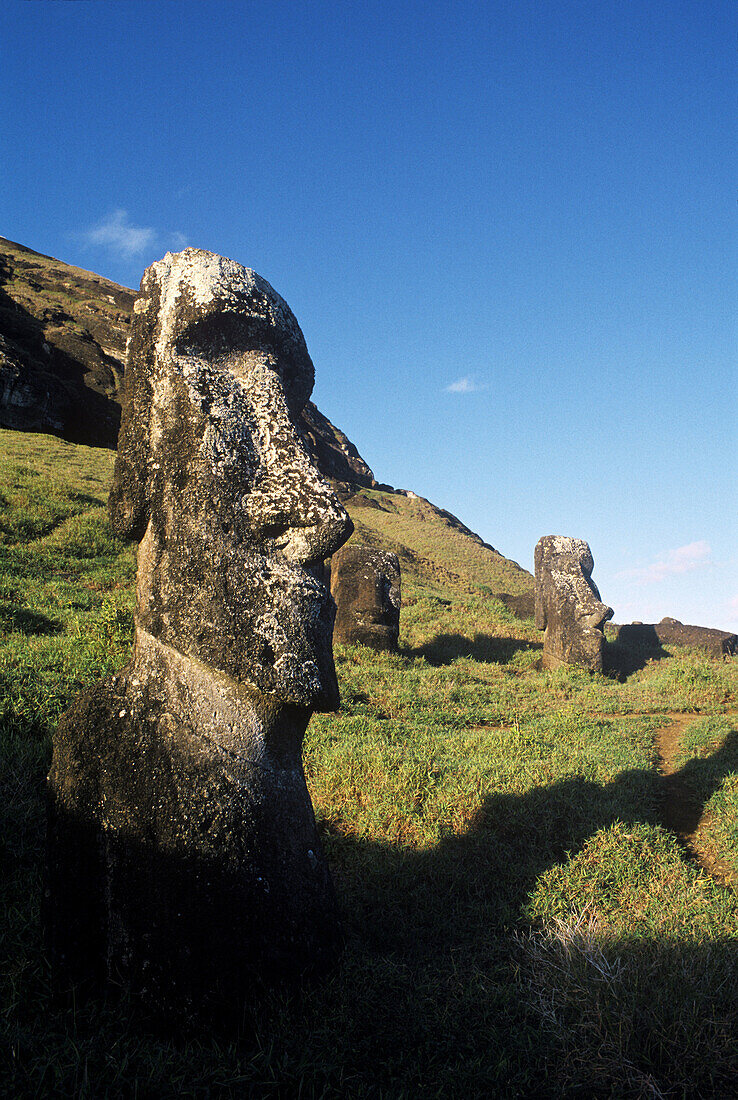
[433,545]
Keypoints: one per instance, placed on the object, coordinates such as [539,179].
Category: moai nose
[601,613]
[297,515]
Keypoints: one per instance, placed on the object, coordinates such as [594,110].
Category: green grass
[518,921]
[430,547]
[709,760]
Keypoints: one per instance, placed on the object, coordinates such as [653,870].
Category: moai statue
[365,584]
[184,862]
[568,605]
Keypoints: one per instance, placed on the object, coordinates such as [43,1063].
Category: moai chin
[365,583]
[184,862]
[568,605]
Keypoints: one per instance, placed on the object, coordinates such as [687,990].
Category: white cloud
[465,385]
[116,233]
[685,559]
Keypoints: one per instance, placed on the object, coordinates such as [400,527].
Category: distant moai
[568,605]
[718,643]
[184,862]
[365,583]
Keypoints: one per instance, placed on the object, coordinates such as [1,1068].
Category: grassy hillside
[525,912]
[433,546]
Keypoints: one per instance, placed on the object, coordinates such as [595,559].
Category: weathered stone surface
[365,584]
[568,605]
[183,854]
[670,632]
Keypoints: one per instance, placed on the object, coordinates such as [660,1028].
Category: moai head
[568,605]
[366,587]
[213,479]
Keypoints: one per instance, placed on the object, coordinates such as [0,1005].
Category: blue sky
[508,231]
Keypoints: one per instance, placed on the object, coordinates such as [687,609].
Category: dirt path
[682,813]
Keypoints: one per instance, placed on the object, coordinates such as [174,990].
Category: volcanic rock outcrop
[184,862]
[365,583]
[568,605]
[62,342]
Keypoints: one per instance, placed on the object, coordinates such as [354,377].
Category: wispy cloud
[116,233]
[465,385]
[685,559]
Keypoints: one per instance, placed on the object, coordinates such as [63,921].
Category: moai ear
[540,603]
[128,503]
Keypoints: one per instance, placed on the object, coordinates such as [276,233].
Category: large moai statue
[184,862]
[365,584]
[568,605]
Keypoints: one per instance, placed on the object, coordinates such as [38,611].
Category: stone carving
[365,584]
[183,855]
[670,632]
[568,605]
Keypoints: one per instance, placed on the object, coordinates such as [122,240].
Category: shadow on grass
[434,997]
[601,1017]
[436,900]
[621,659]
[24,621]
[487,648]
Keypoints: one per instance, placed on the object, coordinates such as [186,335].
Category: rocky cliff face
[63,334]
[334,454]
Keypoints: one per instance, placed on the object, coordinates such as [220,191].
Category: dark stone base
[180,871]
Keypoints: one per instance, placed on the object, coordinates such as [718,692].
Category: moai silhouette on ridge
[568,605]
[184,861]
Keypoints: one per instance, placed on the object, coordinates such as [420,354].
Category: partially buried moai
[184,862]
[365,583]
[568,605]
